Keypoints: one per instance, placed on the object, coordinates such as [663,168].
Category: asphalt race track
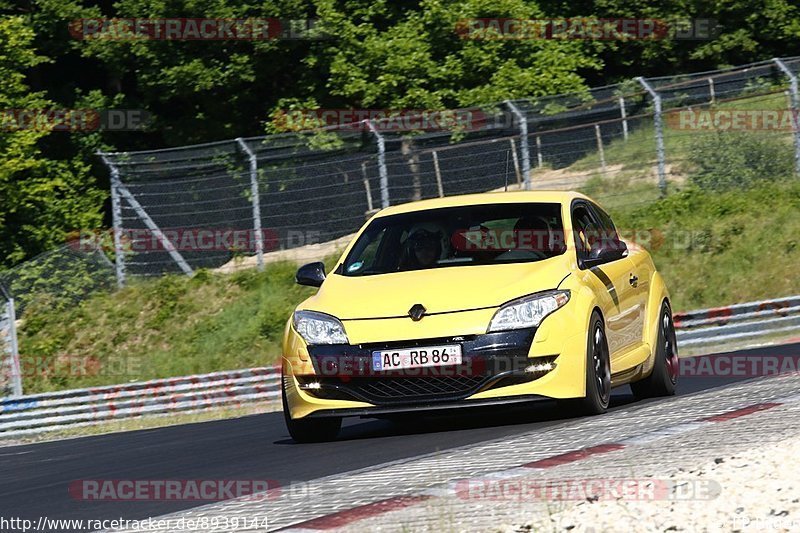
[35,478]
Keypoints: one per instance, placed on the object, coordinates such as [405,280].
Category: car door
[610,280]
[632,288]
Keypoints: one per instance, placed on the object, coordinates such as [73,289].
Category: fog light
[314,385]
[537,368]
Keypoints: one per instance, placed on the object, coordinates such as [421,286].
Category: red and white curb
[350,516]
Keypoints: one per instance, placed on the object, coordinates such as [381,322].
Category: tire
[310,429]
[598,372]
[664,377]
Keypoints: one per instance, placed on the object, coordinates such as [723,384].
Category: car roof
[513,197]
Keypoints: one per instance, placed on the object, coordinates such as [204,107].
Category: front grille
[394,390]
[409,388]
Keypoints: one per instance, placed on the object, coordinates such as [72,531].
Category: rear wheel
[310,429]
[664,377]
[598,372]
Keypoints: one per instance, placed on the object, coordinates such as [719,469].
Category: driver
[422,248]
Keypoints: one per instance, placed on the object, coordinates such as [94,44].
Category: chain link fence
[60,278]
[233,203]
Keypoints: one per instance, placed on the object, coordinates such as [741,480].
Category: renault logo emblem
[416,312]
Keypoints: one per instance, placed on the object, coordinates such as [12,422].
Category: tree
[41,199]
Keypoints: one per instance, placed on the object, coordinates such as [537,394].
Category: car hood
[440,290]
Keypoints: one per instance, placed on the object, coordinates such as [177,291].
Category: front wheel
[598,372]
[664,377]
[310,429]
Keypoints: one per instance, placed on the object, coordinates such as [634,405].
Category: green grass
[716,248]
[163,327]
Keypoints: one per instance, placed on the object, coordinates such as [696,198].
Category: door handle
[634,281]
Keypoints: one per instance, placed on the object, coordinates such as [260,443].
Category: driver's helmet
[422,235]
[426,233]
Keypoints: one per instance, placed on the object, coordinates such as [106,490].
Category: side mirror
[312,274]
[605,251]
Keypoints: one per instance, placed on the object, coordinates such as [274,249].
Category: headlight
[527,312]
[319,328]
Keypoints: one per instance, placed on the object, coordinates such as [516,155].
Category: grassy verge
[163,327]
[722,247]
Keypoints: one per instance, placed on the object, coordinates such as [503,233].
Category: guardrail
[738,322]
[37,413]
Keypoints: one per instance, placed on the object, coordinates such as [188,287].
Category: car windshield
[457,236]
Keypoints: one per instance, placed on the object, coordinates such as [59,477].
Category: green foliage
[414,58]
[746,31]
[41,198]
[725,160]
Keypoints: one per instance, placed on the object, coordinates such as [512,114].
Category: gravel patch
[760,491]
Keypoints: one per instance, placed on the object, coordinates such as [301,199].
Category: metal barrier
[738,322]
[37,413]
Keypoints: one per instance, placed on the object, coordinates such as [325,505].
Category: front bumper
[344,372]
[493,371]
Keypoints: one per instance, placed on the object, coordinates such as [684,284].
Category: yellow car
[477,300]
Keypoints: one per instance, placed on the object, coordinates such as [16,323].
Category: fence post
[623,112]
[539,159]
[382,172]
[793,88]
[515,159]
[600,150]
[438,174]
[659,127]
[711,91]
[366,186]
[523,144]
[16,378]
[251,156]
[116,215]
[16,372]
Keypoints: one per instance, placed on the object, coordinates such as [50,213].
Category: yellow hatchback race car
[477,300]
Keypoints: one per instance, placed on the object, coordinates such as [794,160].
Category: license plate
[449,354]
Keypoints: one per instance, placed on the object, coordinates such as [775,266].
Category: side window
[586,229]
[368,251]
[607,228]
